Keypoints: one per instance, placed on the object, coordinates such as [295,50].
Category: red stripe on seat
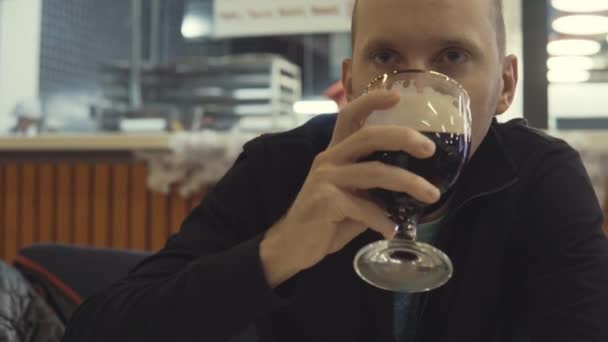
[51,278]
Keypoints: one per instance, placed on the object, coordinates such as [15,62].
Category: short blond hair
[499,20]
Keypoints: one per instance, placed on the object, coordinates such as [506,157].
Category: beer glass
[438,107]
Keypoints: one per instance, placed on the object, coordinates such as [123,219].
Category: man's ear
[510,76]
[347,78]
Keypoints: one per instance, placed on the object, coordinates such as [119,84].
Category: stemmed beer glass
[438,107]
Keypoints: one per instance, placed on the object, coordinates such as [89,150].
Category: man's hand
[332,207]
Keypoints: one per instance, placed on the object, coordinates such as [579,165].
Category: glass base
[403,266]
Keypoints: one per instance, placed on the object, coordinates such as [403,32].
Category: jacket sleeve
[565,254]
[206,284]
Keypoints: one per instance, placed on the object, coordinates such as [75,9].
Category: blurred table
[87,190]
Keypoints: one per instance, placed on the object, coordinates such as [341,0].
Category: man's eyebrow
[463,42]
[454,41]
[374,44]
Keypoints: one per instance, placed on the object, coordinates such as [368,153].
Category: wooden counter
[84,142]
[86,190]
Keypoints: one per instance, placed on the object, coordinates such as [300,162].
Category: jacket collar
[490,170]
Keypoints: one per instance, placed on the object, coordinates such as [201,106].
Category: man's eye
[384,57]
[453,57]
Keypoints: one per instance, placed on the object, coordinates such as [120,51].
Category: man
[273,243]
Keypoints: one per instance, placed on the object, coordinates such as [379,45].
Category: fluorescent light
[573,47]
[252,94]
[570,63]
[252,109]
[580,6]
[568,76]
[315,107]
[194,26]
[580,24]
[142,125]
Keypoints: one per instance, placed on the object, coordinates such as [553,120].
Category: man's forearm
[210,298]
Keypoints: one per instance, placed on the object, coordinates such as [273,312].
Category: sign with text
[238,18]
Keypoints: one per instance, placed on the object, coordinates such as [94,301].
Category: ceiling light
[580,24]
[570,63]
[315,107]
[194,26]
[581,5]
[568,76]
[573,47]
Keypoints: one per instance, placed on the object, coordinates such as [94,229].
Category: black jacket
[524,233]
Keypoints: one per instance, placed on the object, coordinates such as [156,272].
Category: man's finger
[382,138]
[371,175]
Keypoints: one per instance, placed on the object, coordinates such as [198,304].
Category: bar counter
[87,190]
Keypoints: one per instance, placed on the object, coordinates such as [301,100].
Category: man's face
[456,38]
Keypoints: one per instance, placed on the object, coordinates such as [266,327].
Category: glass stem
[406,229]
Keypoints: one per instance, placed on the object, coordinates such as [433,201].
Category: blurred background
[117,116]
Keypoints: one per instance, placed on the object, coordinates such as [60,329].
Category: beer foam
[425,110]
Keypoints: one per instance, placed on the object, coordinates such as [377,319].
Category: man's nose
[417,64]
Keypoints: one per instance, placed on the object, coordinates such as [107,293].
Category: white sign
[238,18]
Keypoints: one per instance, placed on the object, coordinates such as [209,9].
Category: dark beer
[441,170]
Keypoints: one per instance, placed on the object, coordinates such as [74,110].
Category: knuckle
[407,134]
[420,183]
[367,133]
[377,166]
[324,172]
[321,159]
[326,194]
[377,97]
[410,180]
[379,170]
[412,135]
